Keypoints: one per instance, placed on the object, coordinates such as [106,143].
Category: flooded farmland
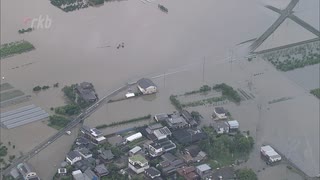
[82,46]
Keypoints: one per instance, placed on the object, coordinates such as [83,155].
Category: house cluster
[87,158]
[222,124]
[150,151]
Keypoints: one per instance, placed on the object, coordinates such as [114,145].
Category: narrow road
[86,113]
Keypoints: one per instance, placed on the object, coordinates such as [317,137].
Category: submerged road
[297,20]
[284,14]
[86,113]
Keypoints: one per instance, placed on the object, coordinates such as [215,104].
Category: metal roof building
[22,116]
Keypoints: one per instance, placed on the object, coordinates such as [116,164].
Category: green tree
[196,115]
[246,174]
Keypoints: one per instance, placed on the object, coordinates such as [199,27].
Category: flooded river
[82,45]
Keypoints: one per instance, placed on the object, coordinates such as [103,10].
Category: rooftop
[203,167]
[152,171]
[73,154]
[193,150]
[219,110]
[145,83]
[101,169]
[138,158]
[135,149]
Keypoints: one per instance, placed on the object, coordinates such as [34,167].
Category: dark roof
[165,143]
[188,117]
[169,157]
[220,110]
[152,171]
[86,91]
[82,140]
[107,154]
[226,173]
[145,83]
[101,169]
[187,136]
[193,150]
[86,85]
[73,154]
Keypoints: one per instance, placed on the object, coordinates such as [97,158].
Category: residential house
[101,170]
[90,175]
[85,153]
[85,164]
[138,163]
[77,175]
[204,171]
[135,150]
[188,117]
[15,173]
[62,171]
[73,157]
[161,117]
[158,147]
[170,163]
[27,171]
[219,113]
[153,127]
[146,86]
[188,136]
[193,153]
[86,91]
[162,133]
[176,121]
[233,125]
[152,173]
[106,155]
[188,173]
[224,173]
[221,127]
[93,134]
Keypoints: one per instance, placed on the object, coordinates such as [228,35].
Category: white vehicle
[269,154]
[68,132]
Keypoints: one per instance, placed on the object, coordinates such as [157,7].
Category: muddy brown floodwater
[81,46]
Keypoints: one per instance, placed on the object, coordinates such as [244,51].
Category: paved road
[297,20]
[284,14]
[86,113]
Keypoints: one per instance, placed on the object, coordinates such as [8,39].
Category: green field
[10,95]
[17,47]
[5,86]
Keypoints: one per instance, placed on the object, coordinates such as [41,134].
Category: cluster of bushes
[124,122]
[21,31]
[13,48]
[204,88]
[162,8]
[175,102]
[96,2]
[39,88]
[3,151]
[290,64]
[204,102]
[246,174]
[226,149]
[228,91]
[69,5]
[58,122]
[69,109]
[69,92]
[316,92]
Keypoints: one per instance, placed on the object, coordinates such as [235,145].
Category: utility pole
[203,65]
[164,79]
